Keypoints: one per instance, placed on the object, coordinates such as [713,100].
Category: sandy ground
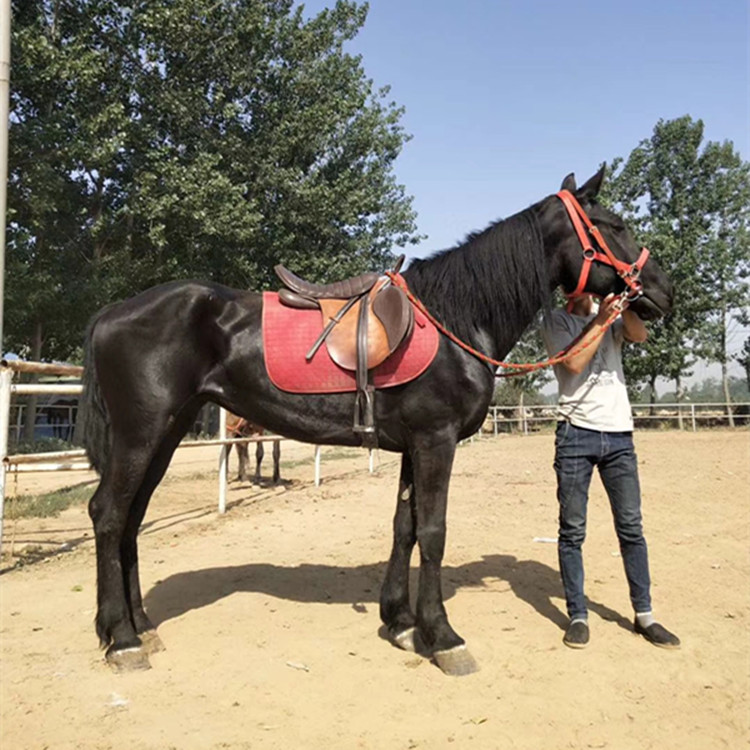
[270,619]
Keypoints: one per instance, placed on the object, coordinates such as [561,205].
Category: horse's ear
[569,183]
[590,189]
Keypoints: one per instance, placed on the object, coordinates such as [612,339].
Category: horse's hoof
[152,644]
[128,659]
[456,661]
[405,639]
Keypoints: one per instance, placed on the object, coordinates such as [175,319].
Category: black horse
[153,360]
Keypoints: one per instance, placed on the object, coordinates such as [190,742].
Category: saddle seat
[337,290]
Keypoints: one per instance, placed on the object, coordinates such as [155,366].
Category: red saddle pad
[288,334]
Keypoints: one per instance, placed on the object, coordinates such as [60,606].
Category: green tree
[713,390]
[688,202]
[724,264]
[743,357]
[47,202]
[189,138]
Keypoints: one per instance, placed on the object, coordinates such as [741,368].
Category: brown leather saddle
[364,319]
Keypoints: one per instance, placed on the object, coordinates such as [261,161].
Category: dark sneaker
[577,634]
[657,634]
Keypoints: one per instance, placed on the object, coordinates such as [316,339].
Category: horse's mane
[497,280]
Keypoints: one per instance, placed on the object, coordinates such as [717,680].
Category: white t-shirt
[597,398]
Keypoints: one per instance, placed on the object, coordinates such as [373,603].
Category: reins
[628,272]
[519,368]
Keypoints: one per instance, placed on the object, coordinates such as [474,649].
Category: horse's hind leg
[259,453]
[129,548]
[395,610]
[276,461]
[242,458]
[109,509]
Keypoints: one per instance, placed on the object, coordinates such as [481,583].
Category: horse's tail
[96,432]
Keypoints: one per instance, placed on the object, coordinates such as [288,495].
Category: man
[595,428]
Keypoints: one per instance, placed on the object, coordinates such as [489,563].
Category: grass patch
[44,445]
[330,454]
[195,476]
[49,504]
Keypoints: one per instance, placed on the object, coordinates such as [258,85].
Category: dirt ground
[270,619]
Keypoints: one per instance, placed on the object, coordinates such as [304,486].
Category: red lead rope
[628,273]
[571,350]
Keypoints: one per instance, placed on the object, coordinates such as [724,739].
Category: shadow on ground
[532,581]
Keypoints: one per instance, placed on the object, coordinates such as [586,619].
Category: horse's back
[168,313]
[176,297]
[164,341]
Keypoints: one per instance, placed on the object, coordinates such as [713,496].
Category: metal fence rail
[527,418]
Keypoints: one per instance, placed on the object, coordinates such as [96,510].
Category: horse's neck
[498,298]
[505,343]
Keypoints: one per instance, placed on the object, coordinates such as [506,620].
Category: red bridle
[628,272]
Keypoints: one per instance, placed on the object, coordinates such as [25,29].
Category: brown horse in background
[239,427]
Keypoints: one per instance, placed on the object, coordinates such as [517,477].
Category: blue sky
[504,98]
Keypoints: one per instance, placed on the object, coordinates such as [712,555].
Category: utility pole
[5,375]
[4,113]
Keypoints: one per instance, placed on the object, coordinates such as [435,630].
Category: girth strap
[364,412]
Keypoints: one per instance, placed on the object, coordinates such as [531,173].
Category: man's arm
[633,328]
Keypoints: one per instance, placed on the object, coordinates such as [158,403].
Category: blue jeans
[577,451]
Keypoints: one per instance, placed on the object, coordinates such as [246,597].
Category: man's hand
[633,329]
[610,304]
[592,333]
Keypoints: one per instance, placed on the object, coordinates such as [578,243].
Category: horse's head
[595,253]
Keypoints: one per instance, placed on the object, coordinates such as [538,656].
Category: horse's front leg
[433,462]
[395,610]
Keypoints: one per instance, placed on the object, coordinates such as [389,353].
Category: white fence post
[317,466]
[6,376]
[223,461]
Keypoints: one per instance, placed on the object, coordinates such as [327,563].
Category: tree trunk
[31,401]
[205,419]
[678,394]
[727,395]
[724,369]
[652,396]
